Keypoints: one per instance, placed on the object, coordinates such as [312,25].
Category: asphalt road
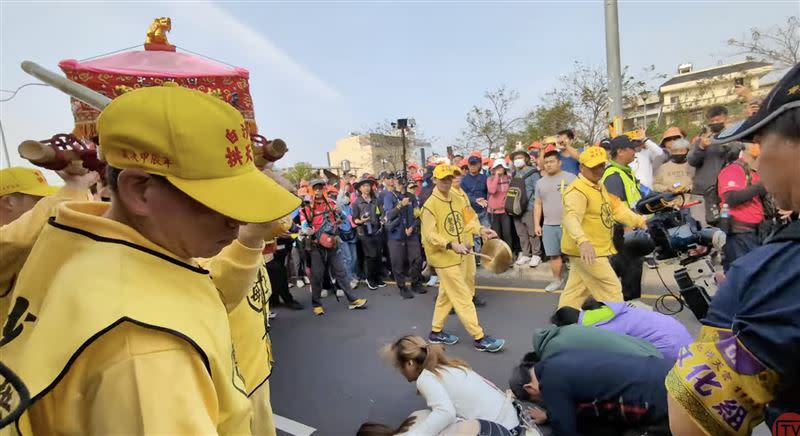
[328,374]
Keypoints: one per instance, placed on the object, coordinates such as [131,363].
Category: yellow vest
[249,323]
[451,217]
[629,181]
[78,285]
[598,221]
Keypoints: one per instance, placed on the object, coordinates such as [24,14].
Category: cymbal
[497,256]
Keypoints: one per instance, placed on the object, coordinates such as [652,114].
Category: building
[689,93]
[368,153]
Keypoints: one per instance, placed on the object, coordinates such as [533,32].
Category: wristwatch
[449,246]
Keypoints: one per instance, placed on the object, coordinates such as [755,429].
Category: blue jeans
[350,257]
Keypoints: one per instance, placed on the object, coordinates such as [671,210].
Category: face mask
[519,163]
[716,127]
[678,158]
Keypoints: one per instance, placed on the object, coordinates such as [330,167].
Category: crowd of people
[172,212]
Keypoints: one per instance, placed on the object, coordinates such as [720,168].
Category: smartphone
[739,81]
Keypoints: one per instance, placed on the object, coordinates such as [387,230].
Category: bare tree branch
[779,44]
[488,128]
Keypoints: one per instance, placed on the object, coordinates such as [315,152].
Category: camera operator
[620,181]
[589,215]
[319,221]
[741,189]
[754,316]
[709,159]
[405,247]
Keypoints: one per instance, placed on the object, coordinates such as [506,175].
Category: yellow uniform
[469,241]
[447,218]
[111,334]
[589,215]
[18,236]
[236,269]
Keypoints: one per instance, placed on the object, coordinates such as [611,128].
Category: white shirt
[458,394]
[647,161]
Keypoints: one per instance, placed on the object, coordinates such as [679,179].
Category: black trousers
[322,261]
[629,269]
[406,261]
[279,279]
[737,245]
[502,224]
[373,251]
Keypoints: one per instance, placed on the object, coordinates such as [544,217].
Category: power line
[14,92]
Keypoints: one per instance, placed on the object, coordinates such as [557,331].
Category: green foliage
[300,171]
[543,121]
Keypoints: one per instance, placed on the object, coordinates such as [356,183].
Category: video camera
[672,233]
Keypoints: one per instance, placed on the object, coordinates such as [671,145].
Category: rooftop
[713,72]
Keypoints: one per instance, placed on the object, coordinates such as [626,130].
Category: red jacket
[318,212]
[497,186]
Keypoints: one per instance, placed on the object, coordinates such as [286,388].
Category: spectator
[473,183]
[671,134]
[649,156]
[452,390]
[531,245]
[405,247]
[497,186]
[620,181]
[367,216]
[709,160]
[675,175]
[665,333]
[741,189]
[279,275]
[590,392]
[548,203]
[347,233]
[318,220]
[569,153]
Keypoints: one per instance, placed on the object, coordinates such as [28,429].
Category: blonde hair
[427,356]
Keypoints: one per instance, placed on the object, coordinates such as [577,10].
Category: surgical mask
[519,163]
[716,128]
[678,158]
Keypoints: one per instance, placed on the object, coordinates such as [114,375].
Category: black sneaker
[406,294]
[382,284]
[371,286]
[419,289]
[478,302]
[442,338]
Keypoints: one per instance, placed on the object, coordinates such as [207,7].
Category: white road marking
[293,427]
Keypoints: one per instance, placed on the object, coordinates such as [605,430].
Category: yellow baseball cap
[199,143]
[25,181]
[593,156]
[445,170]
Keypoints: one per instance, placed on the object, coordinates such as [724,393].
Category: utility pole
[402,124]
[613,65]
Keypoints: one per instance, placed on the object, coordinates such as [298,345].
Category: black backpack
[517,197]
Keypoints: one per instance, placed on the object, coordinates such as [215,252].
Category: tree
[586,89]
[387,144]
[488,127]
[779,45]
[300,171]
[542,121]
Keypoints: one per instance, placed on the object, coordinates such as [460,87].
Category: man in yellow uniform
[589,216]
[26,202]
[448,224]
[114,328]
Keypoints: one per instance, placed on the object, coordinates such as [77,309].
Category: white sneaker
[307,280]
[535,261]
[432,282]
[299,283]
[522,260]
[339,293]
[353,283]
[272,315]
[324,293]
[553,286]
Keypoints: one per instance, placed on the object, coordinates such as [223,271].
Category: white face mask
[519,163]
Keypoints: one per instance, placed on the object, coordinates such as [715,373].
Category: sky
[320,70]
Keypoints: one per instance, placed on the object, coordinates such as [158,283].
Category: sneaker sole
[487,350]
[354,307]
[442,342]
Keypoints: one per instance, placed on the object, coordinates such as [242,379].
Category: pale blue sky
[320,70]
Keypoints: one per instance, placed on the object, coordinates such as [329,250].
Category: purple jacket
[665,333]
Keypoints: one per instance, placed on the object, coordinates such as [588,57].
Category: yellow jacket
[115,335]
[18,236]
[589,215]
[447,218]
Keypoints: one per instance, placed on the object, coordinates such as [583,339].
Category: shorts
[551,239]
[489,428]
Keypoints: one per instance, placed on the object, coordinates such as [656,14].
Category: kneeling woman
[454,392]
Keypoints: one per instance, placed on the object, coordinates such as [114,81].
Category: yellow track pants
[597,280]
[263,423]
[456,293]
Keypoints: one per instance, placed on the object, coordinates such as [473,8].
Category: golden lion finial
[157,33]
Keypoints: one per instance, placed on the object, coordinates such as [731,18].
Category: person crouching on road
[453,392]
[447,224]
[319,221]
[589,215]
